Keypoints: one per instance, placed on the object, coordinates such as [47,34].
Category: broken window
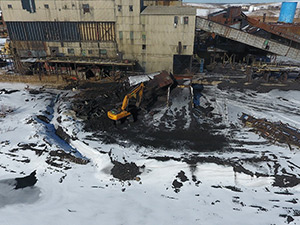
[54,51]
[121,35]
[28,5]
[179,48]
[86,8]
[71,51]
[103,53]
[144,47]
[186,20]
[131,35]
[130,8]
[175,21]
[46,6]
[119,8]
[9,6]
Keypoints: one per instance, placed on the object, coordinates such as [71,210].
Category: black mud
[27,181]
[96,99]
[125,171]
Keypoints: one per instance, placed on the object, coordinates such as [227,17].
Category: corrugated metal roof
[169,10]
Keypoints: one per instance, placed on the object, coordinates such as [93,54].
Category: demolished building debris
[274,131]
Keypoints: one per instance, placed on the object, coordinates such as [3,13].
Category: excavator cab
[124,111]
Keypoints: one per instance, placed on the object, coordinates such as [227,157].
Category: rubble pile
[96,99]
[93,102]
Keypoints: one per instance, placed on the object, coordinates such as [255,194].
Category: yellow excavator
[5,50]
[123,112]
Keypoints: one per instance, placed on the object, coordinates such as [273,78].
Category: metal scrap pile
[275,131]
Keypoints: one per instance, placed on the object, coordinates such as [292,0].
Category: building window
[28,5]
[119,8]
[103,53]
[175,21]
[144,47]
[71,51]
[90,52]
[131,8]
[86,8]
[9,6]
[144,37]
[131,35]
[184,47]
[46,6]
[121,35]
[186,20]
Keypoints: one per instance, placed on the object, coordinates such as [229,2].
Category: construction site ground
[174,156]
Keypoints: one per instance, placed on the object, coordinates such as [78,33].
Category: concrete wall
[155,39]
[162,40]
[128,25]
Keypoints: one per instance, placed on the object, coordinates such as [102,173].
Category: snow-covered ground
[211,192]
[2,41]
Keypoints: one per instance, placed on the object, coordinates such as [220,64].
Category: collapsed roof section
[231,23]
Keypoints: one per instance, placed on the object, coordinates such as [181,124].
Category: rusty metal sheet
[163,79]
[289,31]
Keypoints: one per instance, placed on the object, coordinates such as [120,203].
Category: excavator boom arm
[122,112]
[138,90]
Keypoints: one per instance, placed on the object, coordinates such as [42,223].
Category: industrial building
[101,34]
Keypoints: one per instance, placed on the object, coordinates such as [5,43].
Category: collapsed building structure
[103,36]
[232,32]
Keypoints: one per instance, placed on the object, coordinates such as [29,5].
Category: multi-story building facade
[145,32]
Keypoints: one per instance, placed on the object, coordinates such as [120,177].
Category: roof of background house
[169,10]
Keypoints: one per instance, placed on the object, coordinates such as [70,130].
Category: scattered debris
[61,155]
[27,181]
[125,171]
[286,181]
[176,185]
[43,118]
[4,111]
[275,131]
[7,92]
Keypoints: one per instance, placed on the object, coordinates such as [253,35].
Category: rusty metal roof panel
[163,79]
[169,10]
